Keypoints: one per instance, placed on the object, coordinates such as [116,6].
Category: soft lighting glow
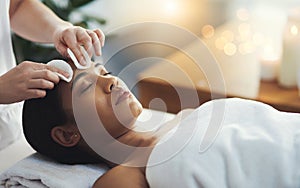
[220,43]
[245,32]
[258,39]
[269,53]
[171,6]
[244,29]
[208,31]
[249,47]
[294,30]
[228,35]
[242,49]
[230,49]
[242,14]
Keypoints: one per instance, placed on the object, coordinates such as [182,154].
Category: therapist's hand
[27,80]
[73,37]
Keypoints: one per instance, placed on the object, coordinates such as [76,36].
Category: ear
[66,136]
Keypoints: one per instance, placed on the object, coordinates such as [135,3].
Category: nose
[108,83]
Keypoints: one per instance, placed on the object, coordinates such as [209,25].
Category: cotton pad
[62,65]
[74,59]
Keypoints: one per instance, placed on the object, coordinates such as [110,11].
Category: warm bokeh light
[245,32]
[246,48]
[208,31]
[220,43]
[228,35]
[230,49]
[294,30]
[243,14]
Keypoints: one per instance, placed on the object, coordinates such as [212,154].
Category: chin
[128,111]
[136,107]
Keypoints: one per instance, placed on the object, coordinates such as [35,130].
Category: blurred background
[120,20]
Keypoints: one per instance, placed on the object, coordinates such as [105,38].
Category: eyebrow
[82,74]
[77,78]
[97,64]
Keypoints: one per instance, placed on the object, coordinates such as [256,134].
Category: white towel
[257,146]
[36,171]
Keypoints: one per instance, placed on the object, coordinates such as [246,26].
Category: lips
[123,95]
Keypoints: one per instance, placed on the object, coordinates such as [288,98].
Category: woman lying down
[223,143]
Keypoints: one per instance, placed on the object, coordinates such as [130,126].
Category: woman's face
[96,88]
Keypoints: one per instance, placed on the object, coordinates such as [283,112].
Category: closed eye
[90,84]
[86,88]
[107,73]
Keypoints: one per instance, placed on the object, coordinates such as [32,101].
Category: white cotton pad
[62,65]
[74,59]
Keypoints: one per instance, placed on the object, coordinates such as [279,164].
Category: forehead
[65,88]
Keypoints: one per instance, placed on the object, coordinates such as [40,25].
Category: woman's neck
[147,141]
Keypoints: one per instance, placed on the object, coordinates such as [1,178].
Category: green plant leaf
[79,3]
[101,21]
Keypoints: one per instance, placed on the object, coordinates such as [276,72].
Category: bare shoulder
[122,176]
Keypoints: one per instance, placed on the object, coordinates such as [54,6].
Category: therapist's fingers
[96,42]
[83,39]
[48,72]
[101,36]
[46,75]
[71,41]
[40,84]
[98,39]
[74,37]
[34,93]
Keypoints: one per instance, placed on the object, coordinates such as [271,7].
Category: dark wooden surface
[270,93]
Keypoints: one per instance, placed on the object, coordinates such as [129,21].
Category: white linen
[14,153]
[10,115]
[36,171]
[257,146]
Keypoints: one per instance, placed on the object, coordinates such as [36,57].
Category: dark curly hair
[39,117]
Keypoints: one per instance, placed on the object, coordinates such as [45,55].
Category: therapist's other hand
[73,37]
[27,80]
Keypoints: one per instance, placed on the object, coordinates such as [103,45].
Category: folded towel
[36,171]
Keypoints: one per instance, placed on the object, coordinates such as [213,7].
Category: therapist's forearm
[32,20]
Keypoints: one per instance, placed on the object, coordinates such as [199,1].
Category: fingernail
[100,51]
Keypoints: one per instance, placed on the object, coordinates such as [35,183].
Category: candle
[269,68]
[298,81]
[291,54]
[269,63]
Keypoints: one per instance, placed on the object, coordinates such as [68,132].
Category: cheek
[135,108]
[128,112]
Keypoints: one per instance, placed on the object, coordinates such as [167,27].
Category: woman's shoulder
[118,177]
